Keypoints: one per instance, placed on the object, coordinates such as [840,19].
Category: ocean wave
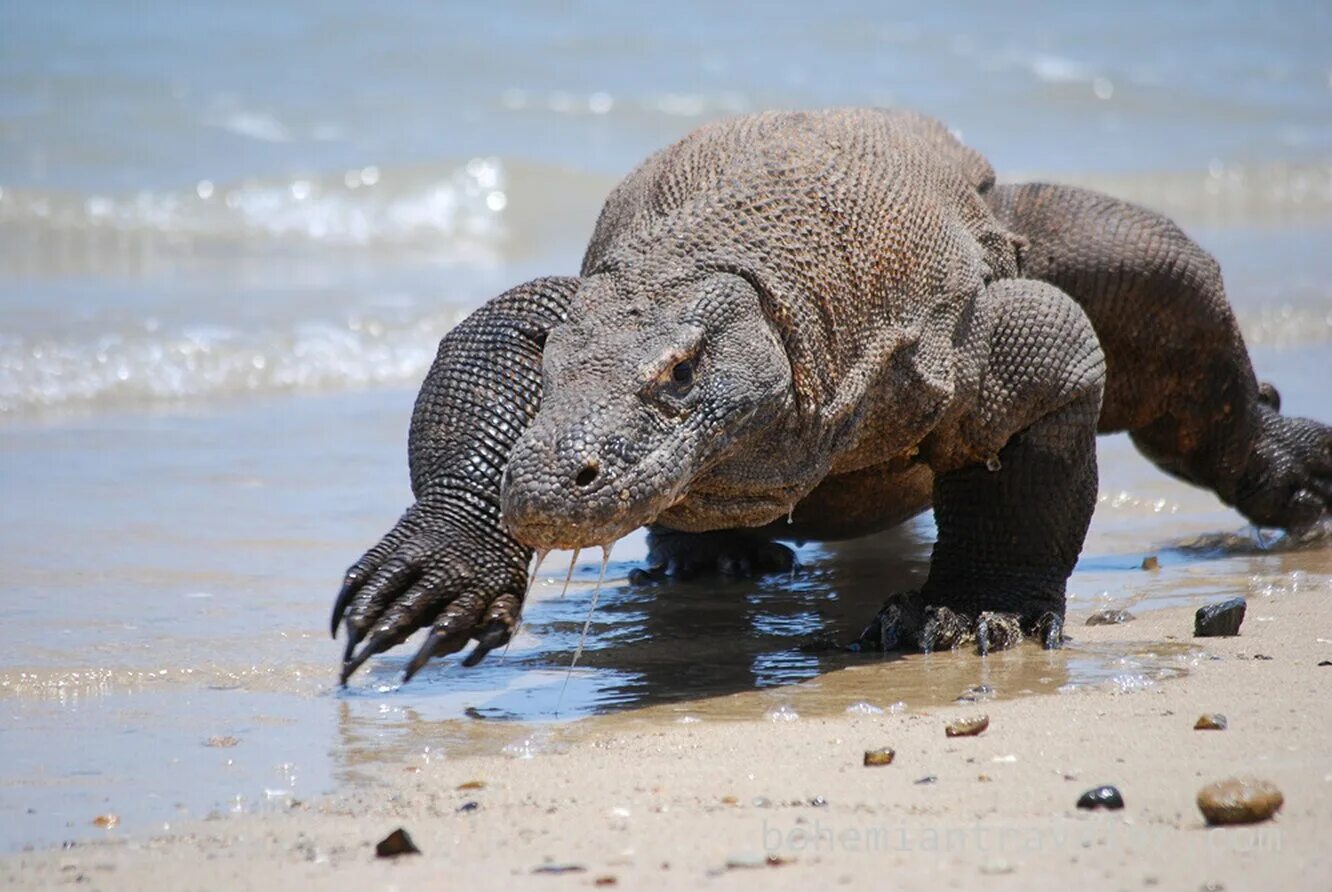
[469,207]
[360,206]
[149,365]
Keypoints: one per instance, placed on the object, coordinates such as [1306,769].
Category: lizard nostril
[589,473]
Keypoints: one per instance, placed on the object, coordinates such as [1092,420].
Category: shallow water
[221,281]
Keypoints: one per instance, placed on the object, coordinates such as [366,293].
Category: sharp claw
[378,643]
[348,591]
[1051,629]
[354,637]
[435,645]
[983,637]
[495,635]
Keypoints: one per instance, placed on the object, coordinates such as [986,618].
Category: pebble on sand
[1106,797]
[882,756]
[1212,721]
[1108,617]
[967,727]
[395,844]
[1219,620]
[1243,800]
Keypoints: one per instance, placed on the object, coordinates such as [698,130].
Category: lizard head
[646,386]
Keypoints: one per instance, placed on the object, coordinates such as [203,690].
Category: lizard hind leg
[1180,379]
[736,553]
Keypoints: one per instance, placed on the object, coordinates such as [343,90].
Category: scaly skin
[837,318]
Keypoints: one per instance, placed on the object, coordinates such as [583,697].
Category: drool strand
[587,623]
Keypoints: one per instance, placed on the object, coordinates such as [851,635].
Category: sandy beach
[644,800]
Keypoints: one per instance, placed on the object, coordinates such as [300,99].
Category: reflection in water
[715,651]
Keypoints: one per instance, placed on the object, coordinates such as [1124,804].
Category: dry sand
[650,802]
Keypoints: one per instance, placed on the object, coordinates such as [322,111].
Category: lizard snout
[575,479]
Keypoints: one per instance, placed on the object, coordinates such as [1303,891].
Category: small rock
[1106,797]
[1151,562]
[882,756]
[560,868]
[1212,721]
[818,802]
[1239,801]
[1260,657]
[470,805]
[1108,617]
[730,800]
[1219,620]
[221,742]
[395,844]
[472,785]
[977,693]
[762,802]
[967,727]
[1325,662]
[605,880]
[106,821]
[984,778]
[927,779]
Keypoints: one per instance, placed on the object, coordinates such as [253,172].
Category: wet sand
[654,799]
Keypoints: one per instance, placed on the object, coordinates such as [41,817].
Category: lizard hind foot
[676,555]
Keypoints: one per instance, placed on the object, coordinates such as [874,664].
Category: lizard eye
[683,372]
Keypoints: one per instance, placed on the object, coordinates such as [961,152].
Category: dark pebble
[1101,797]
[1325,662]
[927,779]
[395,844]
[818,802]
[1110,618]
[1212,721]
[1219,620]
[470,805]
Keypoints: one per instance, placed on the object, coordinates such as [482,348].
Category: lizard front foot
[677,555]
[906,622]
[431,572]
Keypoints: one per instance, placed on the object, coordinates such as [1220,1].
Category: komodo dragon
[815,325]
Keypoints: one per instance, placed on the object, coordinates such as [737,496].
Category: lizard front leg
[1015,483]
[448,563]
